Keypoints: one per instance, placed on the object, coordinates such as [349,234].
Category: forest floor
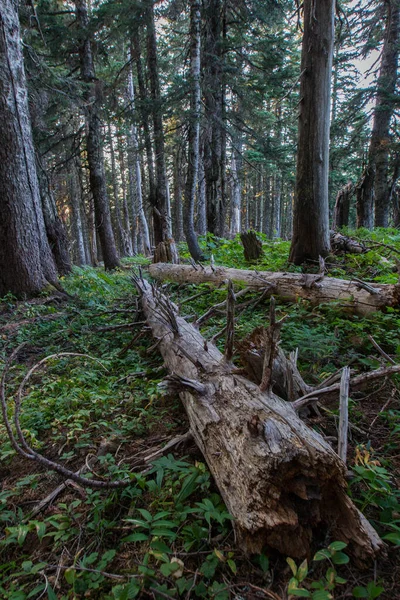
[168,534]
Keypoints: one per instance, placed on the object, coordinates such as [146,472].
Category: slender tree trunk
[194,132]
[75,195]
[144,113]
[26,262]
[178,193]
[342,206]
[125,208]
[122,234]
[311,210]
[162,211]
[55,229]
[201,197]
[133,149]
[94,142]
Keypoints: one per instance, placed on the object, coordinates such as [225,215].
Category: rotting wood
[252,246]
[290,286]
[280,480]
[286,380]
[343,243]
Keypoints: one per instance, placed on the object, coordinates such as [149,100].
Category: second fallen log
[356,295]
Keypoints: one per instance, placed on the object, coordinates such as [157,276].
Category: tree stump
[252,246]
[166,252]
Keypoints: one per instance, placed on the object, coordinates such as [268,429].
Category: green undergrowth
[168,533]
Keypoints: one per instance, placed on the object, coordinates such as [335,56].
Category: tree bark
[194,132]
[311,212]
[26,262]
[356,297]
[125,247]
[82,254]
[213,100]
[127,221]
[134,161]
[55,230]
[375,185]
[342,206]
[252,246]
[162,209]
[94,142]
[279,479]
[144,113]
[179,184]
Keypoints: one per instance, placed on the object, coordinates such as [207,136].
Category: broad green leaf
[292,565]
[335,546]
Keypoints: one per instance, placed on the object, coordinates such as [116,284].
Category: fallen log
[280,480]
[357,296]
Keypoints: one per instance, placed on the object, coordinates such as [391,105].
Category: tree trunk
[26,262]
[178,193]
[311,210]
[342,206]
[127,221]
[134,157]
[162,209]
[144,113]
[94,142]
[279,479]
[78,228]
[122,235]
[383,112]
[201,197]
[55,230]
[356,297]
[236,202]
[194,132]
[213,100]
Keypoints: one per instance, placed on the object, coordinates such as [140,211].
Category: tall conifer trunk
[311,216]
[213,99]
[194,132]
[26,262]
[94,142]
[161,212]
[135,178]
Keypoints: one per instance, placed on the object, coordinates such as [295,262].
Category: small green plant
[322,588]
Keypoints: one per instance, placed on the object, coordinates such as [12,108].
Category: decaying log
[343,243]
[252,246]
[280,480]
[290,286]
[286,379]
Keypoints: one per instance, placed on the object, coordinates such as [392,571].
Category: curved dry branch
[22,447]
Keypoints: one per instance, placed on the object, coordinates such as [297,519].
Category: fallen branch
[354,382]
[22,447]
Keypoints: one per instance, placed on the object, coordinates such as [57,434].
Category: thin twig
[343,414]
[354,382]
[381,352]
